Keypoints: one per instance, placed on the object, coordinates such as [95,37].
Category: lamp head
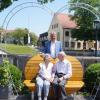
[96,24]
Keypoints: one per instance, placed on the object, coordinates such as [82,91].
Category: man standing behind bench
[61,73]
[53,47]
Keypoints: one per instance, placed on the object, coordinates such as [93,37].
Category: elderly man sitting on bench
[62,72]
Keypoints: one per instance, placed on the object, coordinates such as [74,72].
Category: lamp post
[96,26]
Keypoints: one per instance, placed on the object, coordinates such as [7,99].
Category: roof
[65,21]
[44,34]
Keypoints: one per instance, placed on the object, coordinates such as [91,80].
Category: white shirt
[63,67]
[44,71]
[53,49]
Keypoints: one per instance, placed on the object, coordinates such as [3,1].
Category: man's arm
[69,72]
[53,72]
[61,49]
[60,46]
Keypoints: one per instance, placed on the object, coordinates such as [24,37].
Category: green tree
[84,20]
[19,35]
[34,38]
[92,76]
[5,3]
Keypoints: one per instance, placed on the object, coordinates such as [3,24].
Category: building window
[58,36]
[84,45]
[99,44]
[66,44]
[52,26]
[72,44]
[94,45]
[56,25]
[67,33]
[46,38]
[78,45]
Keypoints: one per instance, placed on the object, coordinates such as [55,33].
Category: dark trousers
[59,88]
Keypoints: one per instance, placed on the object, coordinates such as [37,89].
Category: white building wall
[57,29]
[63,38]
[71,40]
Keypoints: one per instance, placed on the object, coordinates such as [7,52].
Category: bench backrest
[32,66]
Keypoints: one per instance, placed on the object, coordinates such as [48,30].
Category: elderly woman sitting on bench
[44,77]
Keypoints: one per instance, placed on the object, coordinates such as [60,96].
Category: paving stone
[28,97]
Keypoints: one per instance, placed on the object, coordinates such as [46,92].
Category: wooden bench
[74,84]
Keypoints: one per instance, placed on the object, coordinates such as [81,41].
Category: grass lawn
[18,49]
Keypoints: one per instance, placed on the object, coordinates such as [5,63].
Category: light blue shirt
[64,67]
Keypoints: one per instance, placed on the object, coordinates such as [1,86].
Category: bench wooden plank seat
[74,84]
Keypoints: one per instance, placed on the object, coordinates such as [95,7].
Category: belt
[60,74]
[41,77]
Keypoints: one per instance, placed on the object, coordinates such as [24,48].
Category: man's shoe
[39,98]
[45,98]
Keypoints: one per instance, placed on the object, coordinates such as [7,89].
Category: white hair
[47,55]
[62,53]
[53,32]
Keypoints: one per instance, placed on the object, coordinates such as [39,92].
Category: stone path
[76,97]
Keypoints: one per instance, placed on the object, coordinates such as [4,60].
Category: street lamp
[96,26]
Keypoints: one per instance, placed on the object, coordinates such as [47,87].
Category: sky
[36,18]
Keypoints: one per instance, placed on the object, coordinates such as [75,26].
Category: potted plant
[3,82]
[10,75]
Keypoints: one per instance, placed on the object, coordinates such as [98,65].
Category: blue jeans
[59,86]
[42,85]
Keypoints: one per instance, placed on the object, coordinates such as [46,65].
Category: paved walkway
[76,97]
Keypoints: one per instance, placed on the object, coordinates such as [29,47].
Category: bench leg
[73,96]
[32,95]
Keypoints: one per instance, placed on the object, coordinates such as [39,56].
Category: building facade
[42,39]
[63,25]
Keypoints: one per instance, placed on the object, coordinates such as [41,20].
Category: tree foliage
[7,69]
[34,38]
[19,35]
[5,3]
[84,20]
[92,76]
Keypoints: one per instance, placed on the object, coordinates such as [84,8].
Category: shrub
[4,80]
[9,73]
[92,76]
